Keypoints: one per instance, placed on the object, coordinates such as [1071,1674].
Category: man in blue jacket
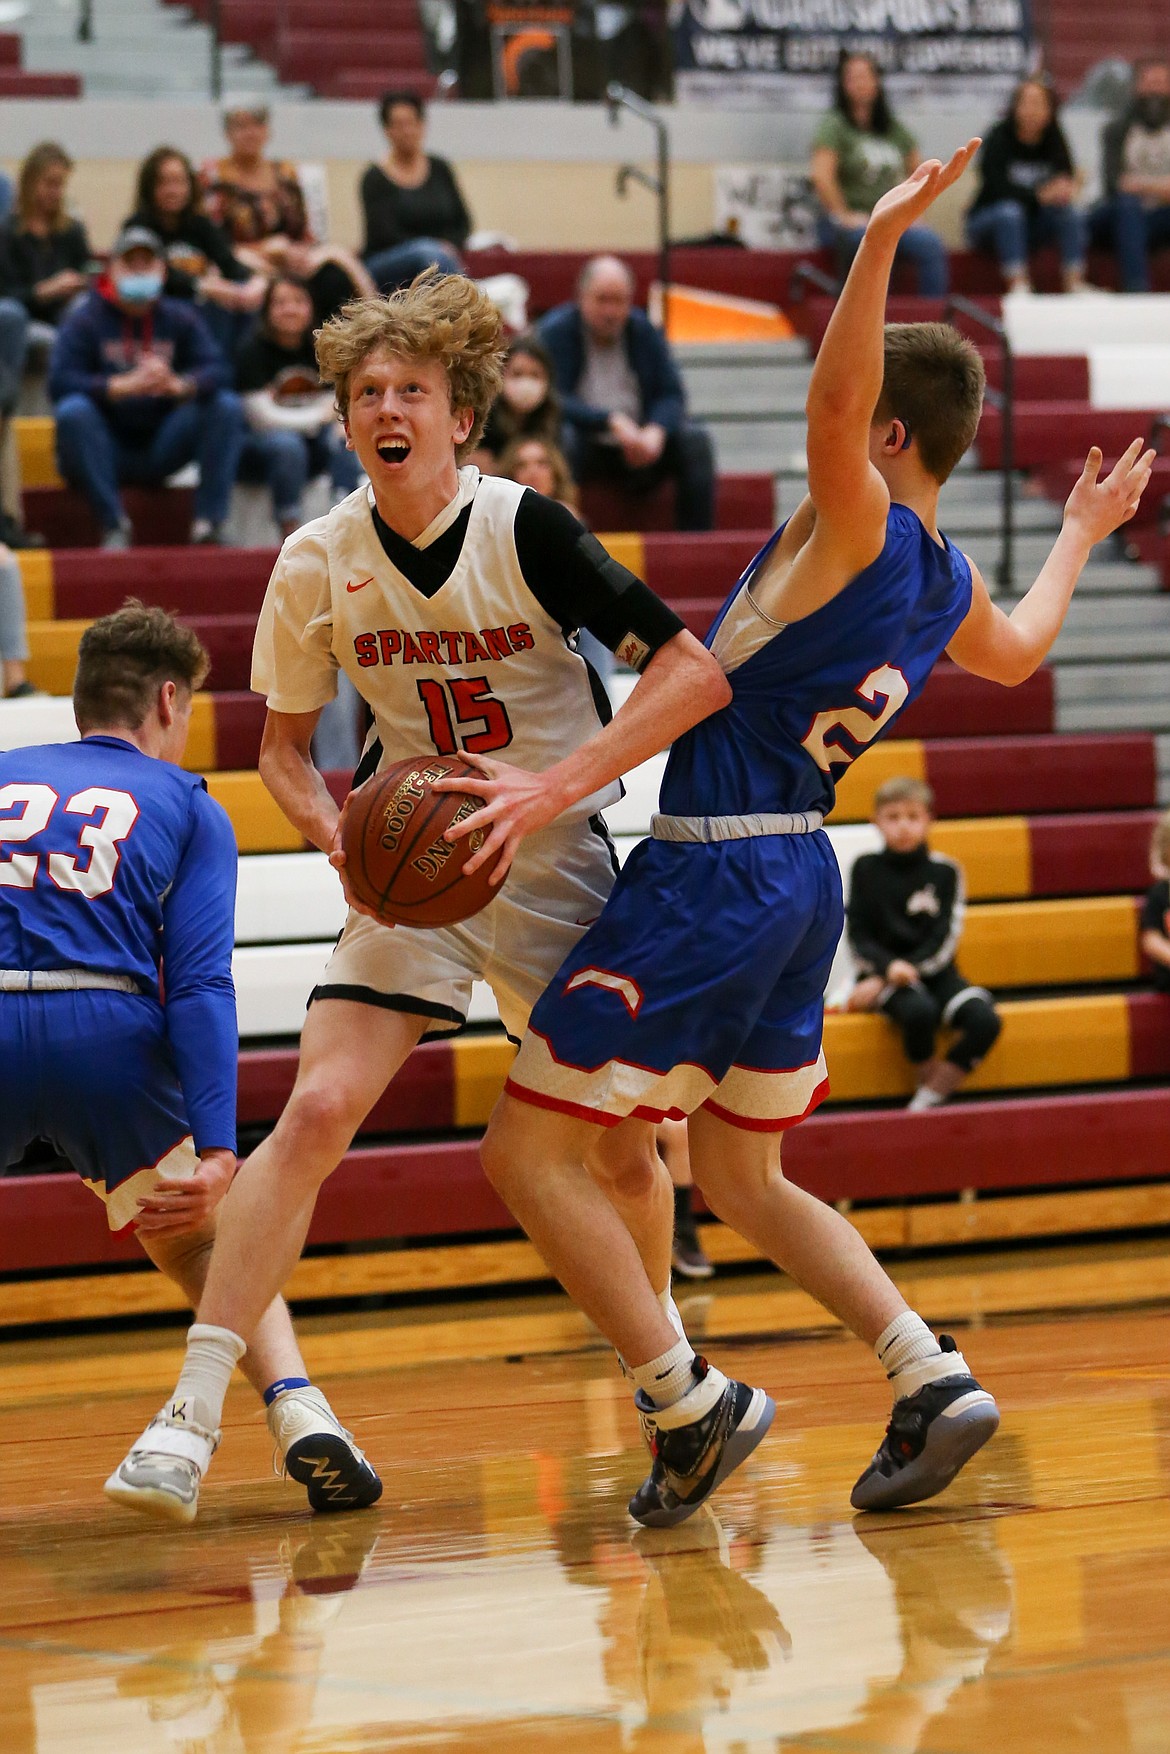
[622,399]
[139,390]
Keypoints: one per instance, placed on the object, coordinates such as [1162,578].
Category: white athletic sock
[670,1310]
[911,1356]
[212,1356]
[667,1379]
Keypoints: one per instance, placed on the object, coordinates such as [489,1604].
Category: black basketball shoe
[930,1436]
[692,1457]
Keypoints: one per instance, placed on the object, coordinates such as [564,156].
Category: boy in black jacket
[905,919]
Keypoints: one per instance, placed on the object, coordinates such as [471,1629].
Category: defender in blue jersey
[699,991]
[118,1037]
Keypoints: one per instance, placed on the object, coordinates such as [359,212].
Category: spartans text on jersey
[448,646]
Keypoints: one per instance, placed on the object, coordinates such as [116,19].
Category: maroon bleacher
[342,48]
[435,1189]
[16,81]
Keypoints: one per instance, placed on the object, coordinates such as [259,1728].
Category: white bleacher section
[289,907]
[1076,323]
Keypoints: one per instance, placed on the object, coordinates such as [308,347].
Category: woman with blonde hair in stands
[259,202]
[44,250]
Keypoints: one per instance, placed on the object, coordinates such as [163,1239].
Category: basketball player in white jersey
[451,601]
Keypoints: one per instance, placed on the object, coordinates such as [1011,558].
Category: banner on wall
[767,207]
[729,51]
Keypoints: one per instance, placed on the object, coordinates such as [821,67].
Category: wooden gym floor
[500,1600]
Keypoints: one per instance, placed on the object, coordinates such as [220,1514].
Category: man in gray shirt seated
[622,400]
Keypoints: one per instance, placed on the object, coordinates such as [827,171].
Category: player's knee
[319,1123]
[497,1156]
[632,1177]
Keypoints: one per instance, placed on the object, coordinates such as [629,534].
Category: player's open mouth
[393,450]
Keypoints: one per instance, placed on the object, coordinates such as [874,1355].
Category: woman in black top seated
[44,253]
[201,264]
[415,214]
[294,433]
[1028,191]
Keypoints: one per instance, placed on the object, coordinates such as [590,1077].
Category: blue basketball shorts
[93,1072]
[701,986]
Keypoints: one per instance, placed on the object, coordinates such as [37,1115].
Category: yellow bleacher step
[1045,1042]
[1051,943]
[36,447]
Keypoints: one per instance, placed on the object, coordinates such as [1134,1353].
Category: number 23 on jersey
[32,806]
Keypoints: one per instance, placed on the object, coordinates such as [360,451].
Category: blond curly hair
[444,317]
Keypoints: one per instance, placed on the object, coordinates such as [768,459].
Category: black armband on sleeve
[576,582]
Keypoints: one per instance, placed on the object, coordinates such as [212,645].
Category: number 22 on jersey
[858,724]
[116,812]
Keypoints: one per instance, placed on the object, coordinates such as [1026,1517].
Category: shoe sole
[150,1501]
[954,1437]
[688,1269]
[747,1436]
[327,1468]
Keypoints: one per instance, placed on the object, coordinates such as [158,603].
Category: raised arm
[849,496]
[1008,648]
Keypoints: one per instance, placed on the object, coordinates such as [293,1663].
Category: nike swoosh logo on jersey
[361,587]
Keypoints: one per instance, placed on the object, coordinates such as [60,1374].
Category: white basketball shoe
[316,1450]
[162,1473]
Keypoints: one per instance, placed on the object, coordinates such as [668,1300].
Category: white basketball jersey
[478,666]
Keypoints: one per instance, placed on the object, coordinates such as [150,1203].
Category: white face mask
[524,393]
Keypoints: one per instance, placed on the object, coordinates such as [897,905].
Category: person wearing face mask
[140,390]
[1135,171]
[527,406]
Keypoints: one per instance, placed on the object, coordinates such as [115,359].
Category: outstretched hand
[516,803]
[904,205]
[1097,508]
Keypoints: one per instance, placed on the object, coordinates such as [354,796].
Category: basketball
[399,863]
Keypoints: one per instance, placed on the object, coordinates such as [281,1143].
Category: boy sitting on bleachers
[905,919]
[1156,911]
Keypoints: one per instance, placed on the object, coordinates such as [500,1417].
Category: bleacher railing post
[213,19]
[617,98]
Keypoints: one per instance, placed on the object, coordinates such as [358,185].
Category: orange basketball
[398,862]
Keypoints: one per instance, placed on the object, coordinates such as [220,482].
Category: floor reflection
[500,1601]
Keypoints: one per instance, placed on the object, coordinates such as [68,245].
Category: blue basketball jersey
[117,863]
[809,698]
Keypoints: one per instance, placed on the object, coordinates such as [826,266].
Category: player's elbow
[711,690]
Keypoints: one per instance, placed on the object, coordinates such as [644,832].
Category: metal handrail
[617,99]
[215,79]
[808,274]
[1005,400]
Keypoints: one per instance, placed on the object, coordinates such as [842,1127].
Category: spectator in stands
[536,463]
[859,152]
[1135,173]
[905,919]
[44,251]
[200,262]
[1028,188]
[415,214]
[13,630]
[140,390]
[1156,911]
[622,399]
[527,405]
[294,432]
[260,204]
